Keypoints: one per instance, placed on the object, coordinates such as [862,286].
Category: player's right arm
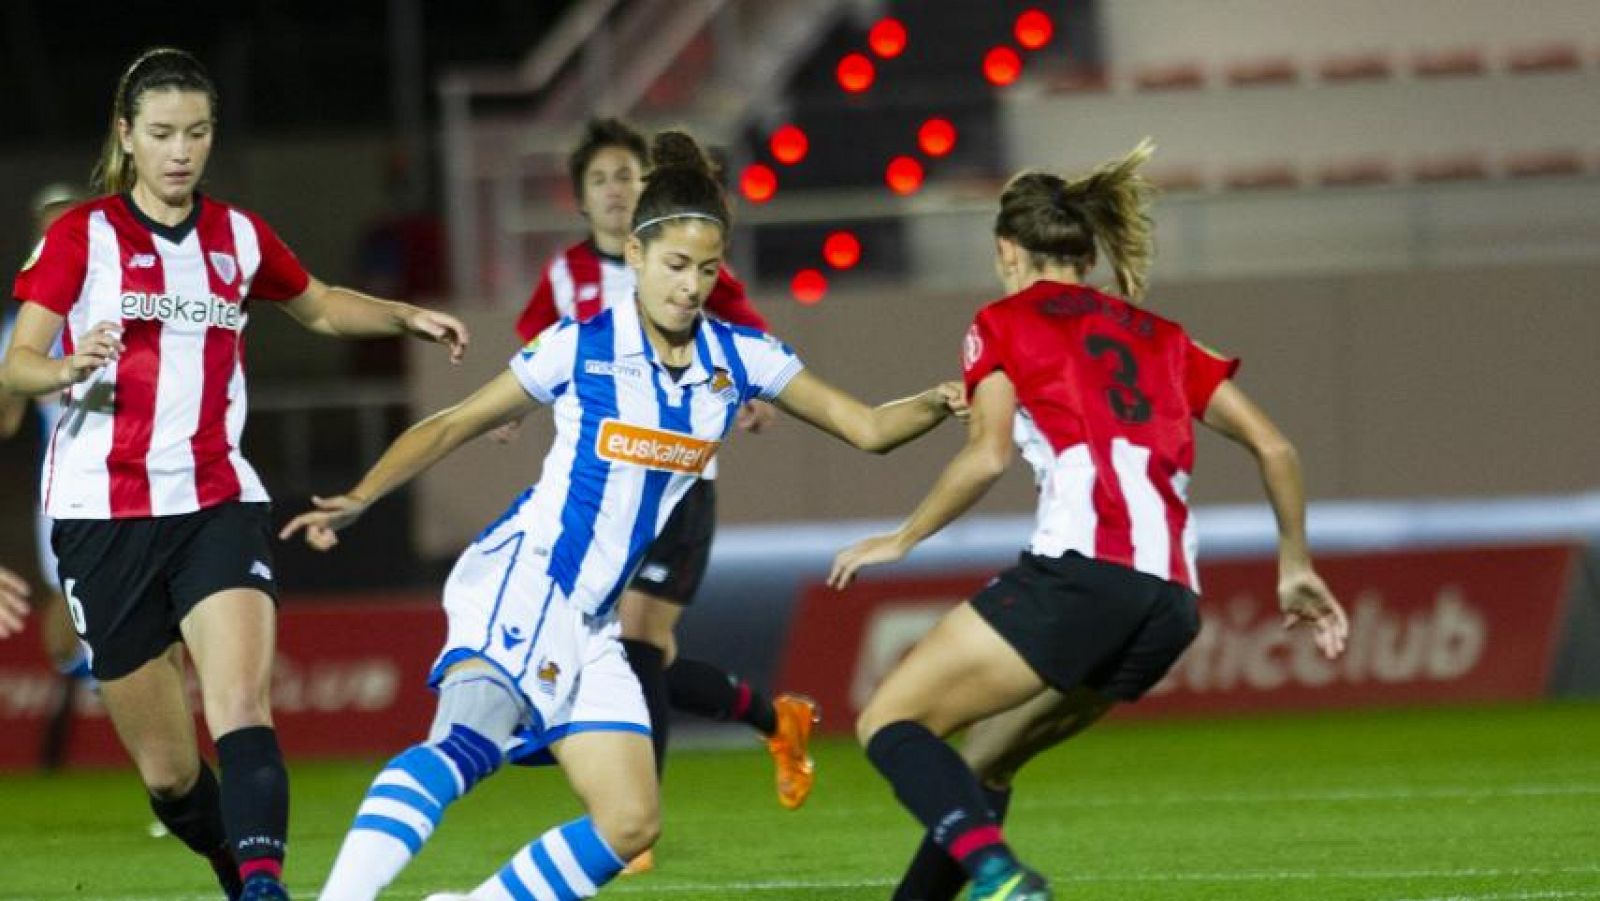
[421,446]
[1302,595]
[29,370]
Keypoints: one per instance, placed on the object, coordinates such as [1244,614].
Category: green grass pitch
[1482,804]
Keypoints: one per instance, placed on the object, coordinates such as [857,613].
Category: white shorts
[569,666]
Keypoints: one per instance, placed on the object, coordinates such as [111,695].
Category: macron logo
[261,570]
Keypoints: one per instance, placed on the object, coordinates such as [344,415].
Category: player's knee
[166,776]
[629,828]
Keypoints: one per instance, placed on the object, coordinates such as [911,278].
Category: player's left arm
[343,313]
[876,429]
[421,446]
[967,478]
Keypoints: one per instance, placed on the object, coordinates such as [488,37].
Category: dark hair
[598,134]
[161,68]
[1068,221]
[682,182]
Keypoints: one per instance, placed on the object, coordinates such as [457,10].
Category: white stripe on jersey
[170,461]
[1066,519]
[1147,512]
[1191,536]
[247,250]
[561,286]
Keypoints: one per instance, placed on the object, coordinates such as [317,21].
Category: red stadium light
[1033,29]
[808,286]
[758,183]
[1001,66]
[842,250]
[789,145]
[856,73]
[887,38]
[904,175]
[936,137]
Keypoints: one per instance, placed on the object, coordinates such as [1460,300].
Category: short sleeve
[54,272]
[980,351]
[731,303]
[769,363]
[1204,370]
[280,275]
[544,365]
[540,312]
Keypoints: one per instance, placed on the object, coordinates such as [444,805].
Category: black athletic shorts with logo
[1078,621]
[130,582]
[675,562]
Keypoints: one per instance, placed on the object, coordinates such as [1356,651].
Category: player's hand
[872,551]
[322,524]
[440,328]
[97,350]
[1304,598]
[506,432]
[951,398]
[13,602]
[755,417]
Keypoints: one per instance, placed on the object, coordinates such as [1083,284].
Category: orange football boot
[796,714]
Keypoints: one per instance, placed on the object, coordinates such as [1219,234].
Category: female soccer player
[607,169]
[160,524]
[1099,394]
[642,395]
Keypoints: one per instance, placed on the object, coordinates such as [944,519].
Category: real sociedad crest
[226,266]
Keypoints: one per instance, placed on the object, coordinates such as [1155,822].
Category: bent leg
[478,711]
[648,622]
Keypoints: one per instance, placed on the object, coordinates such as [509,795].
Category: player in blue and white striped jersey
[642,395]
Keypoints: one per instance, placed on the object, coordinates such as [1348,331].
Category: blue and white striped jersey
[629,440]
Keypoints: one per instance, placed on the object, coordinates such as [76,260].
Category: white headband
[660,219]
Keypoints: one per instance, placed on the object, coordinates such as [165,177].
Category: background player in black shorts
[1101,395]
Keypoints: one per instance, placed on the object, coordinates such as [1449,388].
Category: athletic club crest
[226,266]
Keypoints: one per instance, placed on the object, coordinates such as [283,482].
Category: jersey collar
[173,234]
[633,342]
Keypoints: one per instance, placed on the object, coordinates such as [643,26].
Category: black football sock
[933,874]
[935,785]
[196,820]
[255,799]
[708,690]
[645,659]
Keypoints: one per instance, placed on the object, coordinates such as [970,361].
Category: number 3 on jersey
[1128,403]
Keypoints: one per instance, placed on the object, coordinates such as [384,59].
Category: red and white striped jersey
[1106,397]
[156,433]
[581,281]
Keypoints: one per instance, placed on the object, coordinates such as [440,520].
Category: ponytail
[162,68]
[1070,221]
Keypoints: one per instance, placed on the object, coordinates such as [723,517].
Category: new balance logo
[142,261]
[261,570]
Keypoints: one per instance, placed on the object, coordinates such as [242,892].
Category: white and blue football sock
[566,863]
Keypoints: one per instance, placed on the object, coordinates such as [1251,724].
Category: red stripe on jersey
[215,480]
[138,371]
[588,295]
[1113,532]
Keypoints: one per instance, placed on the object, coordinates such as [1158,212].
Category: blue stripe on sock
[426,765]
[599,862]
[390,827]
[551,873]
[412,798]
[474,755]
[513,885]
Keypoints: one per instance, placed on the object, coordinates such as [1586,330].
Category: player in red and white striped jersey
[607,168]
[1100,395]
[160,524]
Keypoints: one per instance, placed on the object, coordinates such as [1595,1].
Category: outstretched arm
[876,429]
[965,480]
[343,313]
[422,445]
[1302,595]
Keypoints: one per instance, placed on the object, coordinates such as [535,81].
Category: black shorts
[1078,621]
[675,562]
[130,582]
